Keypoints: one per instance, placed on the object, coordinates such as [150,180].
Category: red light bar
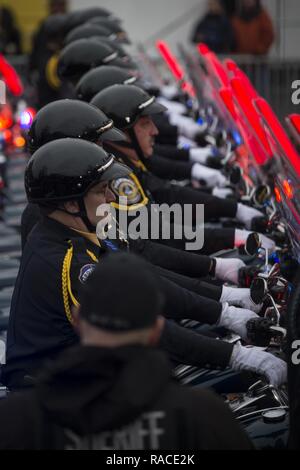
[216,67]
[230,65]
[295,120]
[203,48]
[174,66]
[273,122]
[244,100]
[226,96]
[11,77]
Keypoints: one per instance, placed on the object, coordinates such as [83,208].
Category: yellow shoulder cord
[51,72]
[66,281]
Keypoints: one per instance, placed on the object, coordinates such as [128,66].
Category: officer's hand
[246,214]
[239,298]
[222,193]
[208,175]
[227,269]
[261,362]
[236,319]
[200,155]
[186,125]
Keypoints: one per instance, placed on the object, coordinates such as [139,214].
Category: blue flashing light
[200,121]
[25,119]
[237,137]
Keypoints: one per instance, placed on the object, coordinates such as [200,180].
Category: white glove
[210,176]
[235,319]
[246,214]
[267,243]
[186,125]
[227,269]
[169,91]
[239,298]
[184,142]
[200,155]
[222,193]
[172,106]
[240,238]
[259,361]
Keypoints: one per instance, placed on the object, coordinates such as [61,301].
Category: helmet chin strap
[82,214]
[133,145]
[91,228]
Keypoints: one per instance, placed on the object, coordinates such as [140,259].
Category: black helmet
[78,17]
[126,103]
[71,118]
[114,27]
[87,30]
[100,78]
[67,169]
[124,60]
[83,55]
[55,26]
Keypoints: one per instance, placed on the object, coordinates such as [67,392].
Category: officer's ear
[71,207]
[156,330]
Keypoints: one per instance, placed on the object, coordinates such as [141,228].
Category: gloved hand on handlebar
[227,269]
[256,360]
[239,298]
[186,125]
[200,155]
[211,177]
[240,238]
[236,319]
[246,214]
[222,193]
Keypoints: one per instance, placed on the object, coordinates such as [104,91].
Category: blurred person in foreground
[114,391]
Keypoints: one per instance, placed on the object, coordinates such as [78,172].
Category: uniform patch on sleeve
[85,272]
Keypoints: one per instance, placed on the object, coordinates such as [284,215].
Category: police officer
[72,118]
[123,384]
[82,55]
[65,118]
[132,109]
[102,77]
[69,178]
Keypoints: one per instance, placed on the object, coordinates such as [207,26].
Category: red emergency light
[288,190]
[226,97]
[277,194]
[279,133]
[244,100]
[215,66]
[230,65]
[203,48]
[174,67]
[11,78]
[295,120]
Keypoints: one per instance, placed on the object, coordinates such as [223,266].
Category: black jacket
[187,264]
[169,169]
[101,399]
[55,262]
[160,191]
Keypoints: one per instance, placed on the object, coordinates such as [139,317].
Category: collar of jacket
[120,156]
[49,230]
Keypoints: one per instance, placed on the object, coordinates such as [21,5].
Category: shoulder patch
[126,187]
[85,272]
